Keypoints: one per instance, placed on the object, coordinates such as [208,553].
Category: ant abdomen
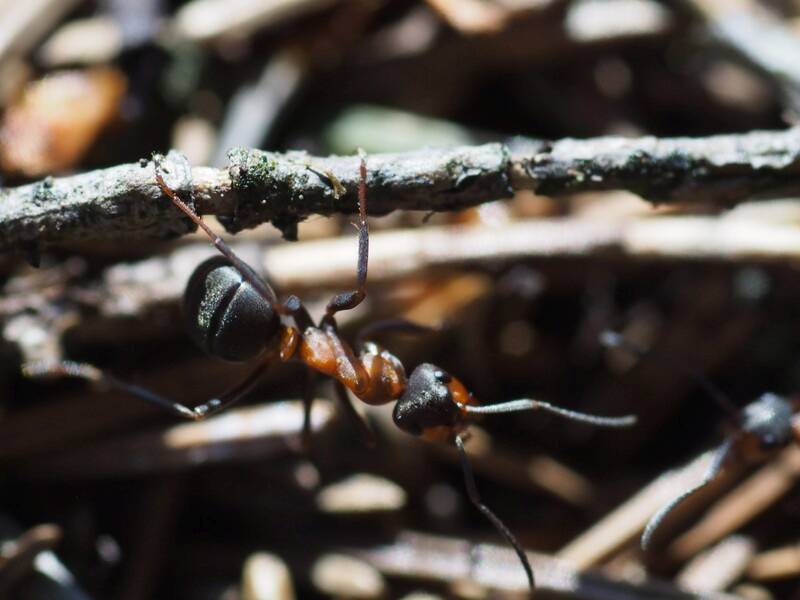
[225,315]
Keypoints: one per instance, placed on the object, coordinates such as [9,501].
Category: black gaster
[427,401]
[225,316]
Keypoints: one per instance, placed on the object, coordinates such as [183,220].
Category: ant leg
[721,457]
[261,286]
[348,300]
[472,492]
[527,404]
[365,433]
[295,308]
[95,375]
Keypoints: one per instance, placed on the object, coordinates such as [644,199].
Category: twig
[536,473]
[241,434]
[402,252]
[253,110]
[361,493]
[622,525]
[342,576]
[471,16]
[90,41]
[17,556]
[25,23]
[106,412]
[209,20]
[133,288]
[759,38]
[420,556]
[124,201]
[266,577]
[588,22]
[718,567]
[778,563]
[47,577]
[742,504]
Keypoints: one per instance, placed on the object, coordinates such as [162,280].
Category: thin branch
[419,556]
[627,521]
[17,556]
[136,287]
[285,188]
[759,38]
[238,435]
[719,567]
[211,20]
[26,23]
[778,563]
[741,505]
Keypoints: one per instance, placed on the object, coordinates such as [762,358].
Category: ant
[234,314]
[755,433]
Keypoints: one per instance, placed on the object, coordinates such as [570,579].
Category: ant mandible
[234,314]
[755,433]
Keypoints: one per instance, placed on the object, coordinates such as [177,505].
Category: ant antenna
[528,404]
[612,339]
[718,462]
[472,492]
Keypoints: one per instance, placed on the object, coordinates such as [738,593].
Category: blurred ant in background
[755,433]
[234,314]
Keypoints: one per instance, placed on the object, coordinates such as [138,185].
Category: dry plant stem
[719,567]
[47,577]
[266,576]
[741,505]
[254,109]
[133,288]
[209,20]
[403,252]
[282,189]
[17,556]
[425,557]
[23,24]
[624,524]
[540,472]
[106,412]
[238,435]
[759,38]
[471,16]
[778,563]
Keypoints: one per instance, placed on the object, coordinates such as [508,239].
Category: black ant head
[428,401]
[225,316]
[769,419]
